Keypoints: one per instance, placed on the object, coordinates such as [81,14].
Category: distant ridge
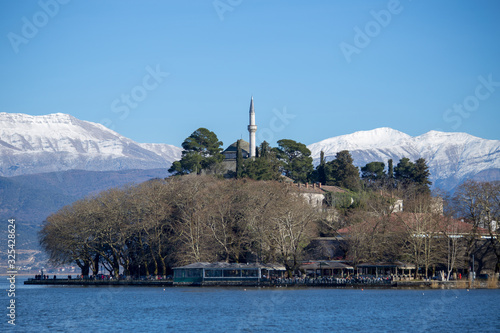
[59,142]
[452,157]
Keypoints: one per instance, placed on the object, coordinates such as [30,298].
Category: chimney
[319,185]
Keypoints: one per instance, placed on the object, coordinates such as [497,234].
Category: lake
[195,309]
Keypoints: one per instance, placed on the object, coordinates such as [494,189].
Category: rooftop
[226,265]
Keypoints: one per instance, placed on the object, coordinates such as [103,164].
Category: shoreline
[463,284]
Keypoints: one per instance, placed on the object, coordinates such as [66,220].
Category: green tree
[239,160]
[373,171]
[264,150]
[296,159]
[421,176]
[390,174]
[265,167]
[390,169]
[414,176]
[319,174]
[202,150]
[405,170]
[342,172]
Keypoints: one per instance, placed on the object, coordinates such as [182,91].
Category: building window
[212,273]
[249,272]
[232,273]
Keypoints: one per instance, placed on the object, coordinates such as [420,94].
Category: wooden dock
[98,282]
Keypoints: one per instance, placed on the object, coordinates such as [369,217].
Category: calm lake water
[154,309]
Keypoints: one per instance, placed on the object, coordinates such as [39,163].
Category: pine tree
[265,167]
[421,176]
[373,171]
[342,172]
[296,160]
[202,150]
[404,171]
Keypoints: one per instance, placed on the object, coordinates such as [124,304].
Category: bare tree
[478,203]
[192,230]
[422,228]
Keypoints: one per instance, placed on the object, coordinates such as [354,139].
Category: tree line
[202,150]
[152,227]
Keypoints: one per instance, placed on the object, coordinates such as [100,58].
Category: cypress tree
[390,172]
[239,160]
[321,168]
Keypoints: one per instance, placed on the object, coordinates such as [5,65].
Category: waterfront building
[323,268]
[223,272]
[376,269]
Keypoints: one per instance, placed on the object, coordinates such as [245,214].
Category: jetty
[100,282]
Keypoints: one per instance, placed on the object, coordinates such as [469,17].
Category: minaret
[252,128]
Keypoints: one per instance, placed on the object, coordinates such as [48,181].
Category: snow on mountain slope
[58,142]
[452,157]
[168,152]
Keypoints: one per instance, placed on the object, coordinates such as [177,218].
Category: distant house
[315,192]
[397,206]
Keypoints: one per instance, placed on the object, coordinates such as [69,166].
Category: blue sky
[155,71]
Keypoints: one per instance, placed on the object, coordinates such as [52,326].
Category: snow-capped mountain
[451,157]
[59,142]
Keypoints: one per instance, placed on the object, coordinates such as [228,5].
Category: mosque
[248,150]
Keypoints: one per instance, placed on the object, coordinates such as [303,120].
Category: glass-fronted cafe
[203,272]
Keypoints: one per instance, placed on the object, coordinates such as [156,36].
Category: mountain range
[59,142]
[452,157]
